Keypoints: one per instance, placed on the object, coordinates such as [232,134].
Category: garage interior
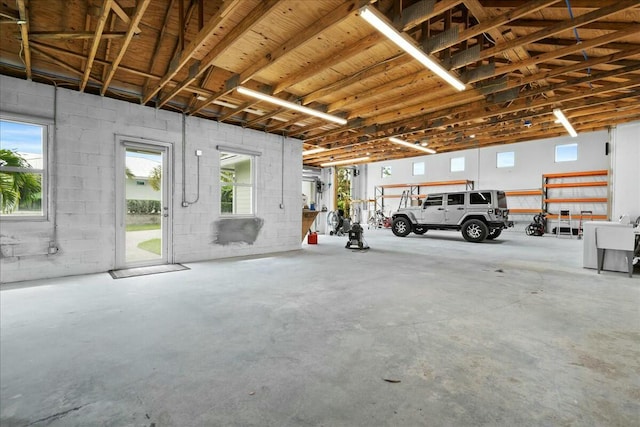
[206,117]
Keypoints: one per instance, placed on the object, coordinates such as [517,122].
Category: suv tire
[401,226]
[494,233]
[474,230]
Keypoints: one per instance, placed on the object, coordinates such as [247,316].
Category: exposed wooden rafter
[133,25]
[102,19]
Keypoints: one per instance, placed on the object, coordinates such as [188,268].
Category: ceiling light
[313,151]
[345,162]
[562,119]
[373,17]
[473,135]
[21,21]
[290,105]
[410,145]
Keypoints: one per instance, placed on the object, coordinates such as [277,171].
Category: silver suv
[479,214]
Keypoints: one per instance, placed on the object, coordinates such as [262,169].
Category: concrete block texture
[84,184]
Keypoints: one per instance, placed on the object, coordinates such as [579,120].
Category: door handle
[166,215]
[440,209]
[460,209]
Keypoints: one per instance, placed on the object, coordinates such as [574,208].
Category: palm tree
[155,178]
[17,187]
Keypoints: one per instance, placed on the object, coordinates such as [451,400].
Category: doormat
[143,271]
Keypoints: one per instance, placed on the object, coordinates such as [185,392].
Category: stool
[564,217]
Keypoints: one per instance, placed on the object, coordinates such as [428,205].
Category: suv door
[455,208]
[433,209]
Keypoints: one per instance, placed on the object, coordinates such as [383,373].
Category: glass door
[144,207]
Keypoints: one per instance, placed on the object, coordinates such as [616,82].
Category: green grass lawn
[141,227]
[152,245]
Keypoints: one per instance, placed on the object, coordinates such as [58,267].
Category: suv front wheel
[401,227]
[474,230]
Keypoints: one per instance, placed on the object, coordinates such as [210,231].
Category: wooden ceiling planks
[323,55]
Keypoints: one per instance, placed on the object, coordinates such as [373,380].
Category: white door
[144,206]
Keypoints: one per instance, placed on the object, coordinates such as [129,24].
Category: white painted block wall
[82,196]
[625,155]
[532,160]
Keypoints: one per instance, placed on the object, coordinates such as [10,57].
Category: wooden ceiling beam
[62,64]
[542,23]
[107,51]
[194,89]
[176,65]
[24,34]
[575,4]
[135,20]
[236,110]
[102,19]
[9,14]
[559,53]
[438,9]
[158,43]
[558,28]
[484,110]
[75,35]
[338,15]
[359,76]
[499,20]
[247,23]
[457,98]
[330,60]
[123,15]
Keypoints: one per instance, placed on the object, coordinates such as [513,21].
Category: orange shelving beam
[575,174]
[577,216]
[426,184]
[523,193]
[577,184]
[580,200]
[524,211]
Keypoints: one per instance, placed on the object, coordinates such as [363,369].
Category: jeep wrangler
[478,214]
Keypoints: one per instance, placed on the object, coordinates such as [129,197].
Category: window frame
[413,168]
[572,144]
[451,164]
[513,159]
[47,138]
[253,158]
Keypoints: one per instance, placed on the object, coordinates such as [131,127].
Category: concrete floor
[507,333]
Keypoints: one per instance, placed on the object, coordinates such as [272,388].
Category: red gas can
[312,238]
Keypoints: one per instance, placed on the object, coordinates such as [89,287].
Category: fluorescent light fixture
[373,17]
[290,105]
[345,162]
[313,151]
[410,145]
[563,119]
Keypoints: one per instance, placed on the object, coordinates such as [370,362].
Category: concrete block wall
[82,197]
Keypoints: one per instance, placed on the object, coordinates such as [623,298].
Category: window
[457,164]
[480,198]
[567,153]
[418,168]
[22,169]
[433,200]
[386,171]
[236,184]
[455,199]
[506,159]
